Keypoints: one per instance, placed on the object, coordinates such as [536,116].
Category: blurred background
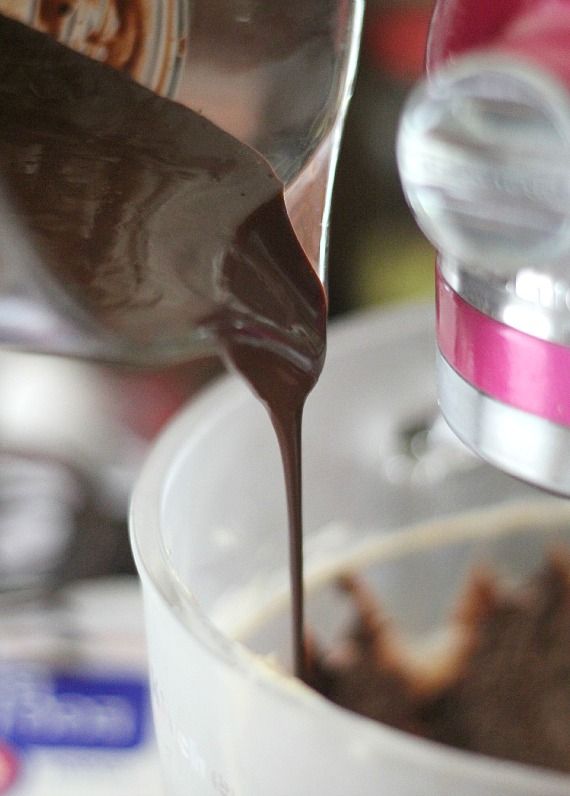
[377,254]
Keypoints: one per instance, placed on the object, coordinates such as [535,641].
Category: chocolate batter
[163,232]
[503,690]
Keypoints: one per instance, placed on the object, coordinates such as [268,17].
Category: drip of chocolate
[162,232]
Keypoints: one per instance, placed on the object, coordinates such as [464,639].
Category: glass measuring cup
[243,65]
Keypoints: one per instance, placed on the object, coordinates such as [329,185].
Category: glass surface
[275,75]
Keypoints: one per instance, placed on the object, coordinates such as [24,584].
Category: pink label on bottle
[514,367]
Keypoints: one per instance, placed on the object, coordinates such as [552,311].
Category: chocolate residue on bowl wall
[501,689]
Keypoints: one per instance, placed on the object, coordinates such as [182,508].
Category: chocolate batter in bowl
[410,519]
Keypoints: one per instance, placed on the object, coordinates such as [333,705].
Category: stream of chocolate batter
[163,233]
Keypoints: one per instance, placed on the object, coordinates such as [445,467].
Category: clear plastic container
[387,488]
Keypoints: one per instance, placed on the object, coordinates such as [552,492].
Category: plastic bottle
[484,157]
